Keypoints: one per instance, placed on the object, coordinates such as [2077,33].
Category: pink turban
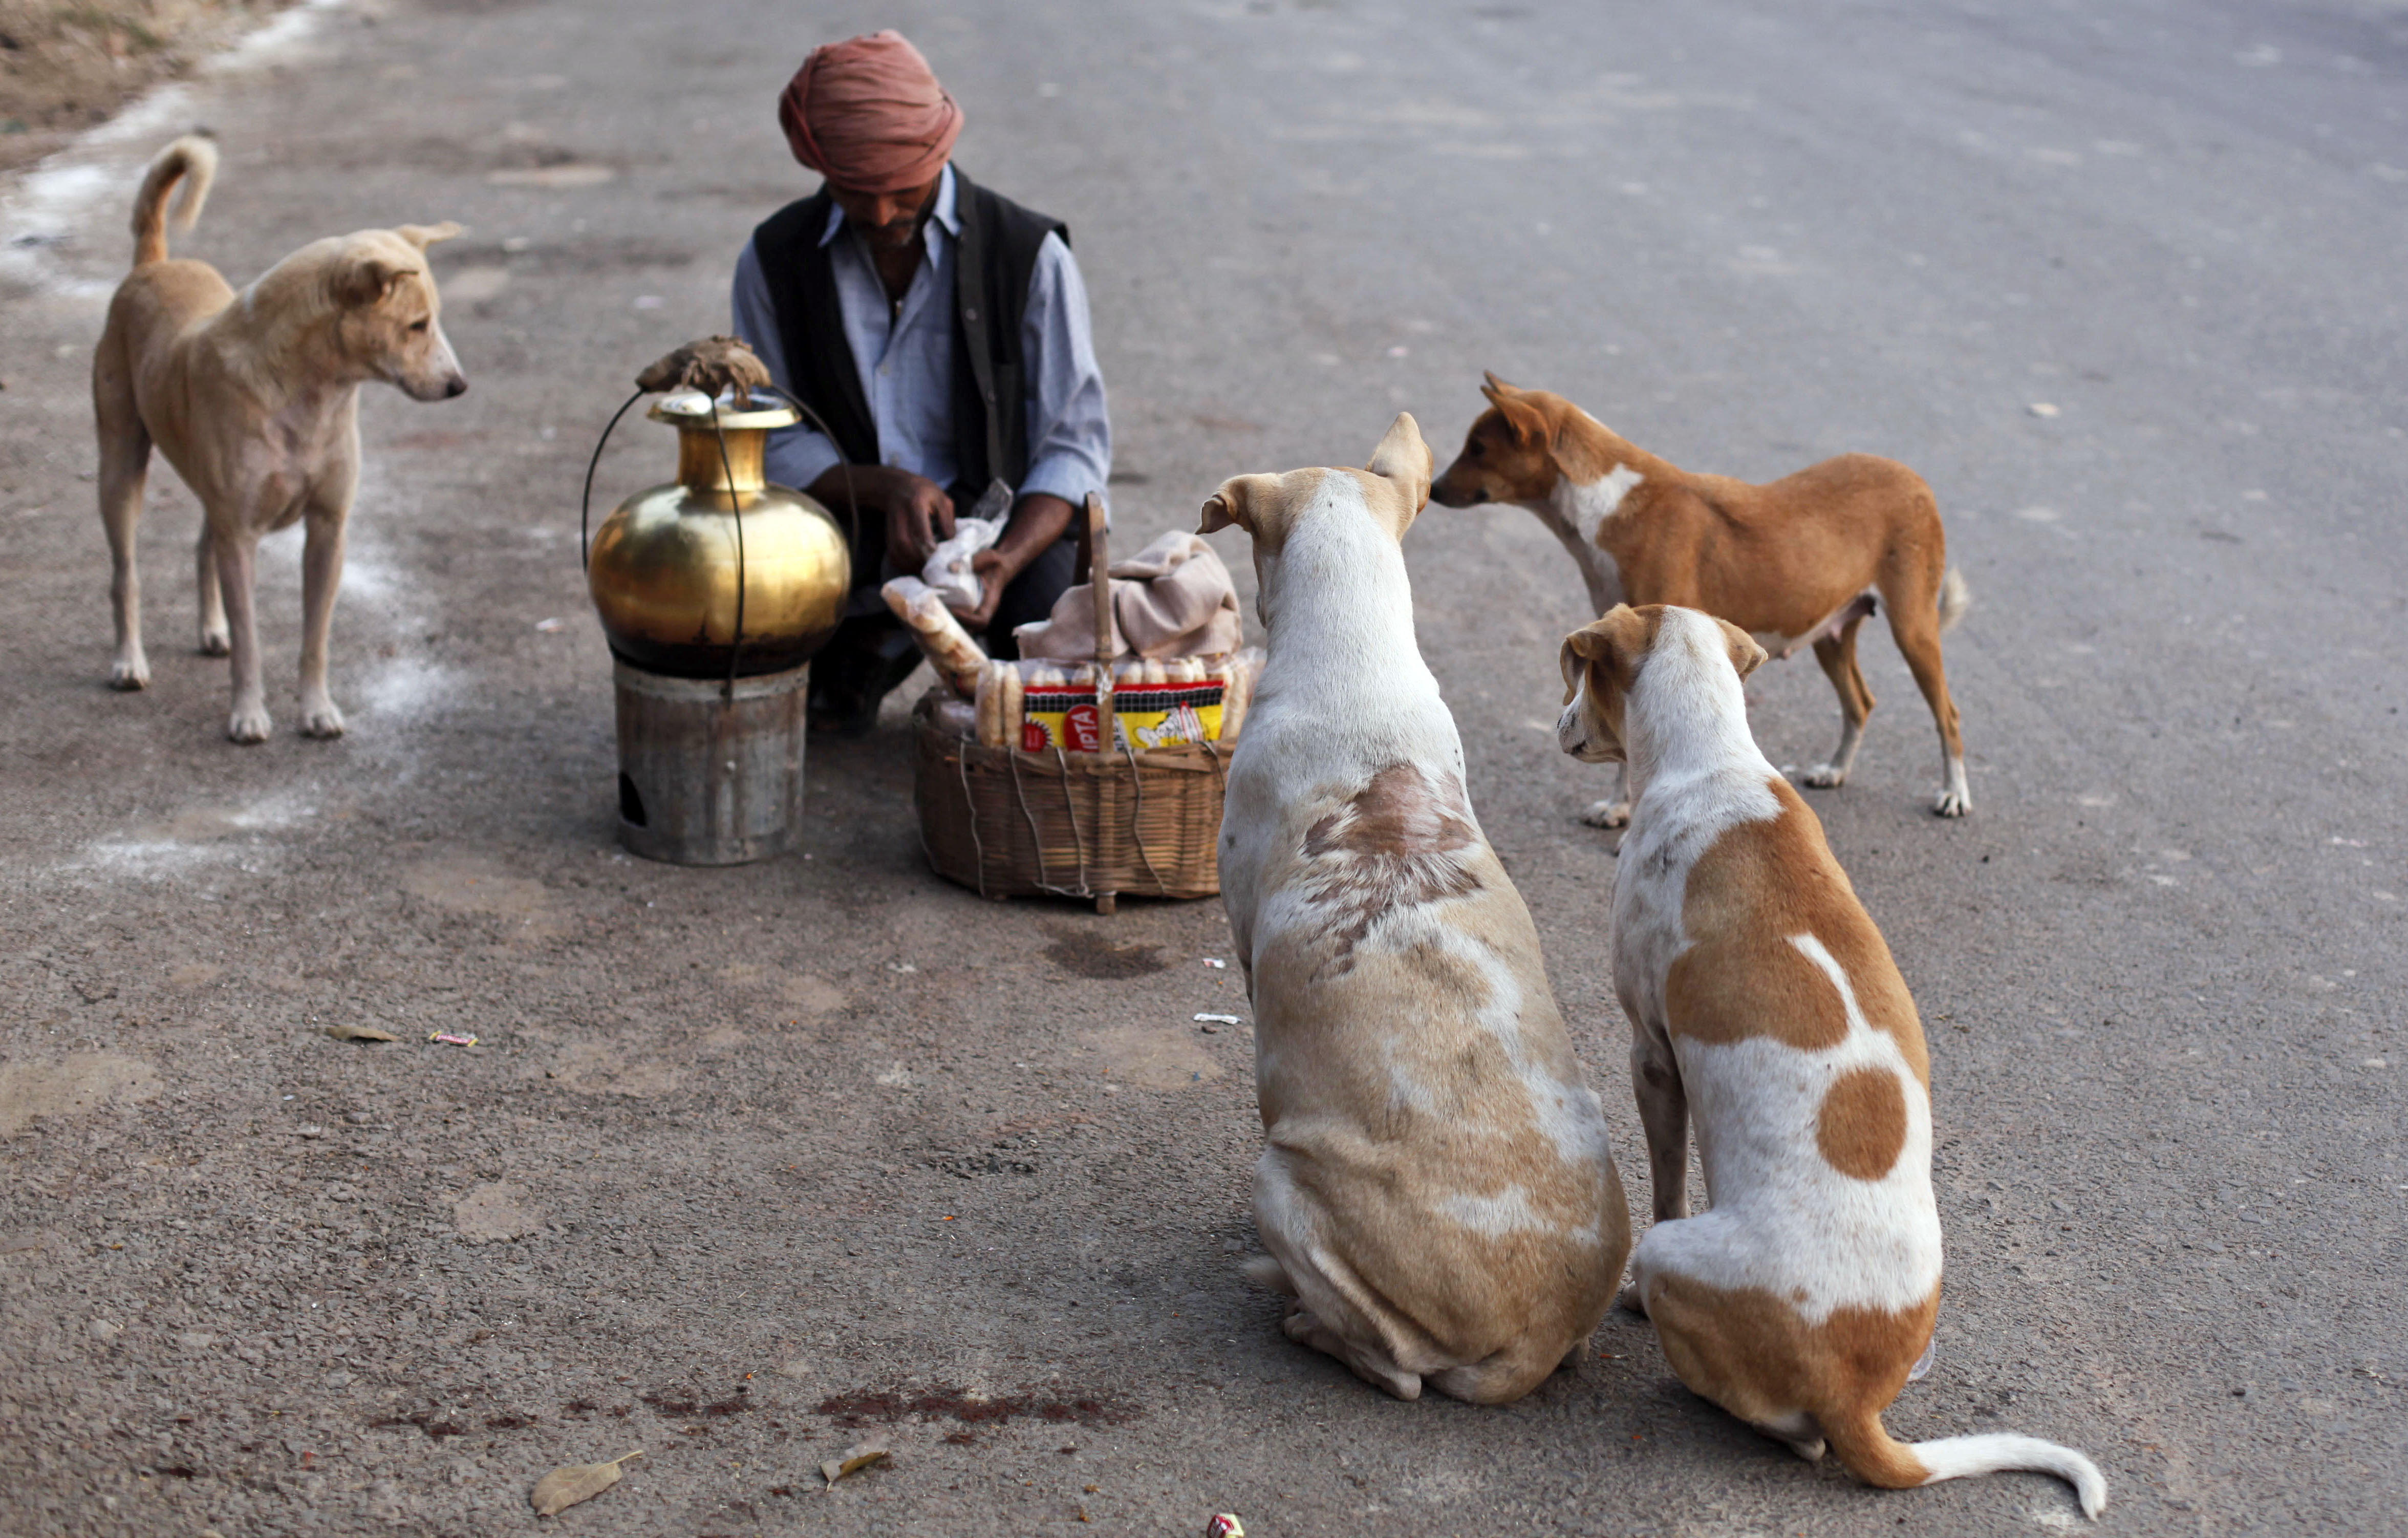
[868,114]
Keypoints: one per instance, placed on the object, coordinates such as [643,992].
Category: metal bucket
[707,780]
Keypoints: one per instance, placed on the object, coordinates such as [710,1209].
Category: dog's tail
[1954,598]
[191,161]
[1869,1453]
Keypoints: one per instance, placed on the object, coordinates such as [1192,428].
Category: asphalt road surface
[753,1164]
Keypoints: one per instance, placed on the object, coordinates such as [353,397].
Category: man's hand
[1035,523]
[919,514]
[995,574]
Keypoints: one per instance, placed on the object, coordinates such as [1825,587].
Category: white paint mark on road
[196,835]
[407,688]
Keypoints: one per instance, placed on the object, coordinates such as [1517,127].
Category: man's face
[888,221]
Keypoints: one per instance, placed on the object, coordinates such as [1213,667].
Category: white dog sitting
[1437,1197]
[1764,1003]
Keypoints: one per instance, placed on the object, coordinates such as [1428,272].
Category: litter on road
[856,1458]
[564,1487]
[1219,1019]
[449,1040]
[360,1033]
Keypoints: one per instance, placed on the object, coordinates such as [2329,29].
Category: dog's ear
[423,235]
[1528,423]
[1403,458]
[1496,387]
[1232,504]
[370,280]
[1745,654]
[1614,643]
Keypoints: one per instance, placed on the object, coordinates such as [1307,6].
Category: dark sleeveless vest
[991,264]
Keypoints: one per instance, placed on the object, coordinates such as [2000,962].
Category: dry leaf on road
[360,1033]
[564,1487]
[858,1456]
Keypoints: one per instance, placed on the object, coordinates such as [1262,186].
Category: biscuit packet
[1153,703]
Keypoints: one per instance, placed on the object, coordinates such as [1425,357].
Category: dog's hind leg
[124,473]
[1330,1309]
[1798,1429]
[237,566]
[321,574]
[1502,1378]
[212,642]
[1916,627]
[1367,1362]
[1838,656]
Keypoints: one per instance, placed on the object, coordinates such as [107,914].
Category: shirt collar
[943,215]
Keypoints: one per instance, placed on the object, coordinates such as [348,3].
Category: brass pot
[663,567]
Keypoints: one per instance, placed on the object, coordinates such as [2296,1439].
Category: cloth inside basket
[1171,599]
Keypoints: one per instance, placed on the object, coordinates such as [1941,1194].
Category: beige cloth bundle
[1172,599]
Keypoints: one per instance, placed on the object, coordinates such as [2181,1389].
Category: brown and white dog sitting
[254,399]
[1764,1004]
[1437,1195]
[1798,562]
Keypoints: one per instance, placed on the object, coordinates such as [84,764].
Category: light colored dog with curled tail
[1766,1010]
[254,397]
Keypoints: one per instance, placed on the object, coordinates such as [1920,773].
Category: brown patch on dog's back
[1861,1127]
[1399,815]
[1395,844]
[1759,883]
[1738,986]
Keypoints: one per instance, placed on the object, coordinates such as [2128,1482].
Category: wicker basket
[1090,826]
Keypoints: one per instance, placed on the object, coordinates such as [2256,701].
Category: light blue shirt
[906,362]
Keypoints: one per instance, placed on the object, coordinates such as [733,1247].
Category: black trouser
[872,654]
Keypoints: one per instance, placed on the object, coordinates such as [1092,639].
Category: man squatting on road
[941,332]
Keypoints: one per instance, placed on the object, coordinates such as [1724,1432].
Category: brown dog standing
[1800,560]
[254,399]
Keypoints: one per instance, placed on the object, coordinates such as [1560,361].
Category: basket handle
[1090,551]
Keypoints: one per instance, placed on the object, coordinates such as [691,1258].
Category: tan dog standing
[1798,562]
[254,399]
[1764,1004]
[1437,1194]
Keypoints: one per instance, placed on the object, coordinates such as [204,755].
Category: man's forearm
[1038,519]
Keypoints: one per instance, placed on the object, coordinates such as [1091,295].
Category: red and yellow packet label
[1145,716]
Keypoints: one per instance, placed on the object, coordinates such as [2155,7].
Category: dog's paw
[215,643]
[1825,777]
[1607,814]
[129,673]
[249,724]
[321,720]
[1953,802]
